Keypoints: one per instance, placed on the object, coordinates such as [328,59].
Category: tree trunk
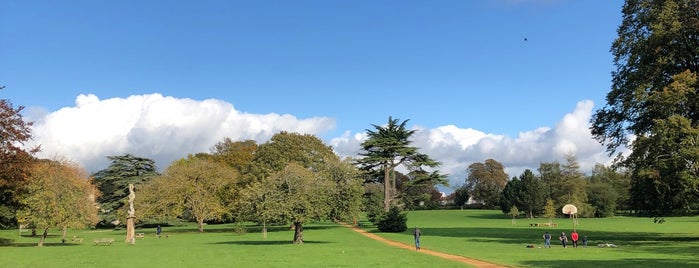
[63,238]
[387,189]
[298,233]
[43,237]
[200,223]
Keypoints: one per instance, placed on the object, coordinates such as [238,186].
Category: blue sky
[460,71]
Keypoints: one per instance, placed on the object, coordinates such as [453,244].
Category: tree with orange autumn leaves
[15,161]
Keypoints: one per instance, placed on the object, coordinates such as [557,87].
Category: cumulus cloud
[166,128]
[154,126]
[457,148]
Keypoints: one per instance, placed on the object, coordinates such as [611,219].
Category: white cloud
[457,148]
[161,128]
[167,128]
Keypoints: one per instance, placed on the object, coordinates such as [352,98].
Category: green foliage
[549,210]
[486,182]
[655,99]
[113,183]
[565,183]
[59,194]
[511,195]
[297,180]
[607,183]
[346,193]
[603,197]
[663,183]
[238,155]
[514,212]
[372,202]
[388,147]
[574,183]
[394,221]
[192,188]
[15,161]
[419,191]
[533,195]
[461,195]
[284,147]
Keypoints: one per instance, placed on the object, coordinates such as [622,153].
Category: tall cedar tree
[655,99]
[388,147]
[113,182]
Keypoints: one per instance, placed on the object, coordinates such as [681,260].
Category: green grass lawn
[490,235]
[482,234]
[326,245]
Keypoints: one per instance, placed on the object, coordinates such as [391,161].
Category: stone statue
[130,219]
[132,197]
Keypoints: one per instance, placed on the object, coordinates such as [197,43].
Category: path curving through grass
[474,262]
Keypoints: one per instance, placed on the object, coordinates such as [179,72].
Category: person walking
[564,239]
[584,240]
[416,235]
[574,236]
[158,230]
[547,240]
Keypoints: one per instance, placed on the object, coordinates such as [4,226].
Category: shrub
[393,222]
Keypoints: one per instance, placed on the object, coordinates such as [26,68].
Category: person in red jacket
[574,237]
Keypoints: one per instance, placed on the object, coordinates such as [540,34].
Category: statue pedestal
[131,229]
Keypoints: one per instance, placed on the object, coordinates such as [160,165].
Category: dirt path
[474,262]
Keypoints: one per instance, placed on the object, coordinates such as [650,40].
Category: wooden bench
[140,235]
[104,241]
[543,224]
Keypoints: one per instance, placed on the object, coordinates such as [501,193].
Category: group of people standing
[574,237]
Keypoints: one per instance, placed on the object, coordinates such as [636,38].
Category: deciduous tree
[299,179]
[193,185]
[15,161]
[237,154]
[608,190]
[59,194]
[486,181]
[655,99]
[297,195]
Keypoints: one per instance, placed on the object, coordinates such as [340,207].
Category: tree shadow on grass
[268,242]
[5,241]
[228,228]
[650,263]
[488,216]
[33,244]
[672,244]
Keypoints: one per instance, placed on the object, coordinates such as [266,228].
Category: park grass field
[326,245]
[489,235]
[481,234]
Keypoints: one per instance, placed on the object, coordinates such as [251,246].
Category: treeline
[600,194]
